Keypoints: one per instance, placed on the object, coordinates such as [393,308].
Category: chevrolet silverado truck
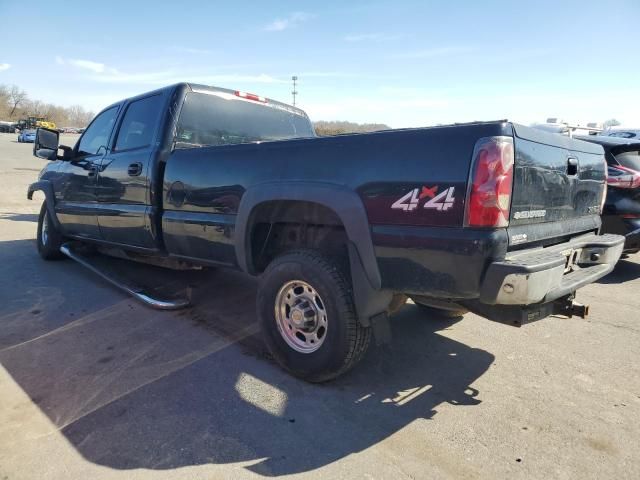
[491,217]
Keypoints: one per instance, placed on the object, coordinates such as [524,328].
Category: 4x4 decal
[442,201]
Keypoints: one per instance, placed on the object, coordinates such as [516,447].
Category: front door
[76,202]
[123,187]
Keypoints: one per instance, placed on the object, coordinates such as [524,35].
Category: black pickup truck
[491,217]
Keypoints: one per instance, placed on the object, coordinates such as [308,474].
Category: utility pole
[294,92]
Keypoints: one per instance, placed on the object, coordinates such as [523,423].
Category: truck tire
[49,239]
[308,318]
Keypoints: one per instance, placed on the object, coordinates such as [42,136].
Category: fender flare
[346,204]
[46,187]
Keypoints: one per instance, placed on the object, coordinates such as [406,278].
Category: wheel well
[278,226]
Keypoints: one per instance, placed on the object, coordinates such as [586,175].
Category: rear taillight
[490,183]
[623,177]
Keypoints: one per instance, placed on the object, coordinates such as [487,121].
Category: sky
[402,63]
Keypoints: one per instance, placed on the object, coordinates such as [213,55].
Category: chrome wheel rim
[45,229]
[301,316]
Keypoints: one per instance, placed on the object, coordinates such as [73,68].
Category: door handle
[134,169]
[93,171]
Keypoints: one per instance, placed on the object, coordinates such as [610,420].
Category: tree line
[324,128]
[15,104]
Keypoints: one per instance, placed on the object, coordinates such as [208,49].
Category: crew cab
[491,217]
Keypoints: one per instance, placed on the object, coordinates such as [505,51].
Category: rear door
[557,188]
[123,182]
[76,201]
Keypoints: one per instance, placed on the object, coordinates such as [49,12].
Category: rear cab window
[139,123]
[219,118]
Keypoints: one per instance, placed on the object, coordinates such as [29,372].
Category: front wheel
[307,316]
[49,239]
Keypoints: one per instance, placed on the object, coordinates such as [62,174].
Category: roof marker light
[251,96]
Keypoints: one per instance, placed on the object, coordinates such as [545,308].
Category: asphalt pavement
[95,385]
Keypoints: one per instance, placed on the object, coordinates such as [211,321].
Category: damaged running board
[132,290]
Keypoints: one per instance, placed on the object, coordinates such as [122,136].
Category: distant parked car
[27,136]
[622,132]
[621,214]
[7,127]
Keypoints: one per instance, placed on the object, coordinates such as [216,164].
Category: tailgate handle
[572,166]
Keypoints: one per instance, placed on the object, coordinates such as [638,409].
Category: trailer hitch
[135,291]
[520,315]
[569,308]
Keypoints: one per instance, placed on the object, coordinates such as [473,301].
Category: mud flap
[381,328]
[371,304]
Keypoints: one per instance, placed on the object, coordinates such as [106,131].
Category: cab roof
[195,87]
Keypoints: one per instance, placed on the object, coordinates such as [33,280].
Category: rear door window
[139,123]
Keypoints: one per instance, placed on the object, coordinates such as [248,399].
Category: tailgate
[558,181]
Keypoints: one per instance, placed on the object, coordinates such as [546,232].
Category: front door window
[97,135]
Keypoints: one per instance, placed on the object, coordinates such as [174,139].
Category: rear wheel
[49,239]
[307,315]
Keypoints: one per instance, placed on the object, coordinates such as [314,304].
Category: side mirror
[67,152]
[46,143]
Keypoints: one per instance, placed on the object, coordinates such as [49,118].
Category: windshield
[223,119]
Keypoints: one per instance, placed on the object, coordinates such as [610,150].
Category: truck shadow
[132,388]
[19,217]
[625,271]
